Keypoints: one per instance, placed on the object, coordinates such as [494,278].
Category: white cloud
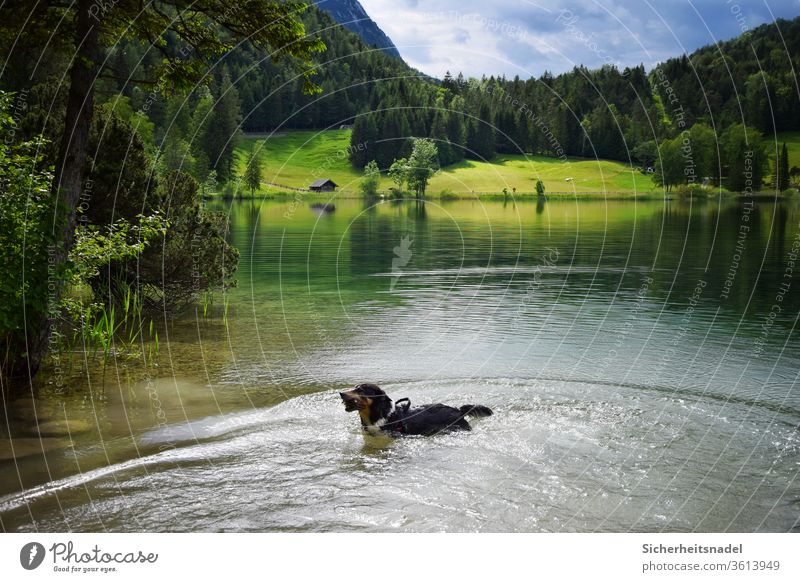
[527,37]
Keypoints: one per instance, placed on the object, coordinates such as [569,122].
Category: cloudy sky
[527,37]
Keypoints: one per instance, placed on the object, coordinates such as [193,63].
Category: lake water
[641,358]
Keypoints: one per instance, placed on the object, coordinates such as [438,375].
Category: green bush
[191,258]
[26,242]
[691,191]
[372,176]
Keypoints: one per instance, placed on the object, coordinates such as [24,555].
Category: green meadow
[559,176]
[295,159]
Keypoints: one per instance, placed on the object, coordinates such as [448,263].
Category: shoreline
[521,196]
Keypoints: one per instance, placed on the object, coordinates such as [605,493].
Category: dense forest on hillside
[245,90]
[735,91]
[604,113]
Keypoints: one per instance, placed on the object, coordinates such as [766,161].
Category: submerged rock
[58,428]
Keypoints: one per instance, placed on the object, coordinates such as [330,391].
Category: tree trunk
[70,167]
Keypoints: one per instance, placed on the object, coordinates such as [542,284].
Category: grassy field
[522,172]
[295,159]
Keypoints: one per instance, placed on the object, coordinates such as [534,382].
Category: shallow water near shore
[641,358]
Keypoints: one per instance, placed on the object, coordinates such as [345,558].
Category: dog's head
[371,402]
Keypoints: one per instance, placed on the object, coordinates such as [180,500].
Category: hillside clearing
[293,160]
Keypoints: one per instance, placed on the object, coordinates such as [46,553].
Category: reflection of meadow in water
[633,348]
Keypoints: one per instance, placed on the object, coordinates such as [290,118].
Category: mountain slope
[749,79]
[351,15]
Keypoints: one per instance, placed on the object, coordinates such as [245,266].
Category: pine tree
[358,138]
[439,135]
[252,174]
[224,130]
[480,135]
[449,83]
[782,170]
[456,130]
[744,156]
[198,132]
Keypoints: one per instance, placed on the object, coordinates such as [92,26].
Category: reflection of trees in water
[417,210]
[744,243]
[373,236]
[609,250]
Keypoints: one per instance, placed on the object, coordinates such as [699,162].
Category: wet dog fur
[379,415]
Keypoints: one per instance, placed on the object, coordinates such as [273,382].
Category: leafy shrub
[190,258]
[691,191]
[372,176]
[26,242]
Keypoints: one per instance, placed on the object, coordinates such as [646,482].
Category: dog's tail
[475,410]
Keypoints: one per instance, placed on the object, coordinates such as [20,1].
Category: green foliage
[705,154]
[481,136]
[398,173]
[208,30]
[422,164]
[96,319]
[76,37]
[604,113]
[120,175]
[539,187]
[744,158]
[751,75]
[120,107]
[693,155]
[200,126]
[670,164]
[362,140]
[252,174]
[191,258]
[691,191]
[372,177]
[230,191]
[224,130]
[416,170]
[97,246]
[26,241]
[124,201]
[646,153]
[273,97]
[782,169]
[210,184]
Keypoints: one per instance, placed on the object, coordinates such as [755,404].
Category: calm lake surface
[641,358]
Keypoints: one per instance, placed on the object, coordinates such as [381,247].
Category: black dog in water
[378,413]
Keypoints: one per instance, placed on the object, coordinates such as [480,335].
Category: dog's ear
[383,404]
